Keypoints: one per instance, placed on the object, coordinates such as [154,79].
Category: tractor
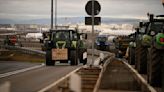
[154,37]
[66,45]
[121,45]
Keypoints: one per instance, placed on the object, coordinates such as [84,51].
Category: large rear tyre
[74,57]
[136,57]
[49,61]
[142,60]
[155,67]
[132,56]
[162,72]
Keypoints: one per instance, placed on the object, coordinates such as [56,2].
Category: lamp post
[55,14]
[52,11]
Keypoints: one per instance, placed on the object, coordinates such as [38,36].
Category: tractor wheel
[136,57]
[142,60]
[49,61]
[132,56]
[73,57]
[162,71]
[155,67]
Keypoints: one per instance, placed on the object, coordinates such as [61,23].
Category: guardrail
[145,87]
[39,52]
[25,50]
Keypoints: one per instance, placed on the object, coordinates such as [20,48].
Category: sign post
[92,8]
[93,40]
[52,12]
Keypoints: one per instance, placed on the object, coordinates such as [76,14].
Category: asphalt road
[36,79]
[9,66]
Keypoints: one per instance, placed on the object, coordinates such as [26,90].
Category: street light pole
[52,11]
[55,14]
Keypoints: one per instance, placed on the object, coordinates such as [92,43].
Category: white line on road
[20,71]
[58,81]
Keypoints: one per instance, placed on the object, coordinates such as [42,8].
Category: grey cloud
[31,9]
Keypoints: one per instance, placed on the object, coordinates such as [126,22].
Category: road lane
[9,66]
[32,81]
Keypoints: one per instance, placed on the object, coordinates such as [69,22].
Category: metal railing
[25,50]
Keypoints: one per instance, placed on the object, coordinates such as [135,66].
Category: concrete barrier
[145,87]
[25,50]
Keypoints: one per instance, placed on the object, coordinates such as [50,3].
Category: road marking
[20,71]
[58,81]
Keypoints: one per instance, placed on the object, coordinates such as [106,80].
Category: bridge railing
[24,50]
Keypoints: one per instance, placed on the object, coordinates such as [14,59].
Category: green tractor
[121,45]
[154,38]
[149,50]
[66,45]
[131,49]
[141,48]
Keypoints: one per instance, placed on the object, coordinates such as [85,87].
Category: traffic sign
[88,20]
[88,7]
[13,39]
[92,8]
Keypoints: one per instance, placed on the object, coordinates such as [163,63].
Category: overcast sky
[37,9]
